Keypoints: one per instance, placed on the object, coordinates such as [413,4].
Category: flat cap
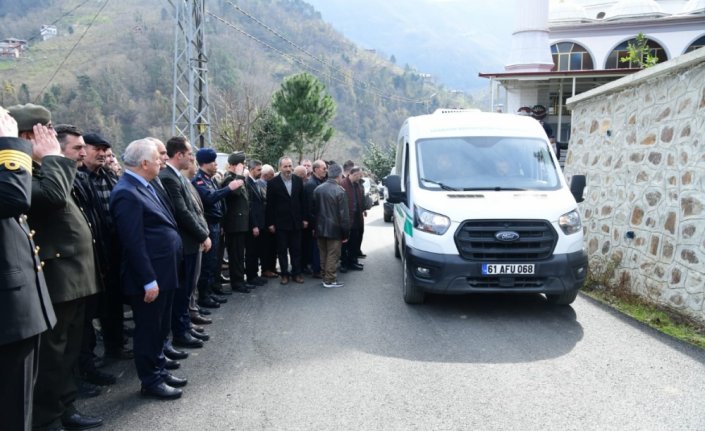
[28,115]
[95,139]
[206,155]
[236,157]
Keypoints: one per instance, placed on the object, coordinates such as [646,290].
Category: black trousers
[235,243]
[18,369]
[351,249]
[210,263]
[180,317]
[152,326]
[55,391]
[253,254]
[269,251]
[111,310]
[289,246]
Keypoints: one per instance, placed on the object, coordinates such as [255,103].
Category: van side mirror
[393,183]
[577,187]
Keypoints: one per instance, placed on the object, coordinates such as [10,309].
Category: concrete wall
[641,142]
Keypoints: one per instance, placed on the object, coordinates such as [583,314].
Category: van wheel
[412,292]
[397,254]
[563,298]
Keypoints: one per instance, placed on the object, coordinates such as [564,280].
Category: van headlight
[430,222]
[570,222]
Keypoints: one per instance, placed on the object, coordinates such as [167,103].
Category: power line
[73,48]
[360,84]
[59,19]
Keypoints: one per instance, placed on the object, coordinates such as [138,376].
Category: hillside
[118,79]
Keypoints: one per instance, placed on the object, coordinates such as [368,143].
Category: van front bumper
[451,274]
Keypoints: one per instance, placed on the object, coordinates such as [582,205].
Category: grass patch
[603,286]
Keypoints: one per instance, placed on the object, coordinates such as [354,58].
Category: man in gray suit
[66,246]
[194,235]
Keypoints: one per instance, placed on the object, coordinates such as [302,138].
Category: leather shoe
[258,281]
[356,267]
[77,421]
[317,275]
[162,391]
[221,291]
[199,336]
[299,279]
[200,320]
[87,390]
[198,328]
[187,340]
[361,255]
[204,311]
[174,381]
[284,280]
[242,289]
[343,269]
[171,353]
[218,299]
[269,274]
[99,378]
[171,364]
[208,302]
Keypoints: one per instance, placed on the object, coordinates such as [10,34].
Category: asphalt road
[300,357]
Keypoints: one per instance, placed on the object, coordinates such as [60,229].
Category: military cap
[206,155]
[236,157]
[28,115]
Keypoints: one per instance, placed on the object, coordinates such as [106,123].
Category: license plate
[507,268]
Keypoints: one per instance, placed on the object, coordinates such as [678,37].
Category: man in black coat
[286,217]
[254,243]
[25,306]
[318,177]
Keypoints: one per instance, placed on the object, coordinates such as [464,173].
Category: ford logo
[506,236]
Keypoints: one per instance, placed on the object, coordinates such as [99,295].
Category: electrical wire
[360,84]
[73,48]
[59,19]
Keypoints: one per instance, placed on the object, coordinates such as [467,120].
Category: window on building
[570,56]
[695,45]
[620,51]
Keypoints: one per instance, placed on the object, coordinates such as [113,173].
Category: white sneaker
[332,284]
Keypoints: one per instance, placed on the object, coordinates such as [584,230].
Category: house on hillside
[12,48]
[48,31]
[561,48]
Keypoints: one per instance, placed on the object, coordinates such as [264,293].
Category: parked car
[371,190]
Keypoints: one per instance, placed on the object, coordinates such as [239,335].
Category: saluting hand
[151,294]
[44,142]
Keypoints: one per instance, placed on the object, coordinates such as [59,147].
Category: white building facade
[584,41]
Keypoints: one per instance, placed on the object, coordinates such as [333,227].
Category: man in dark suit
[194,235]
[286,218]
[65,245]
[152,251]
[25,306]
[254,243]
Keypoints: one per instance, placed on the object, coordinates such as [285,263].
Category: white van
[482,206]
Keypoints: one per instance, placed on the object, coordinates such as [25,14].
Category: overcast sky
[451,39]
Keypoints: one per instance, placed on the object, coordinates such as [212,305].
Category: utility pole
[190,105]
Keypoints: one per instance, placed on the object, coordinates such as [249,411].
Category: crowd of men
[83,237]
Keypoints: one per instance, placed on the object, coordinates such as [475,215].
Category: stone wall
[641,143]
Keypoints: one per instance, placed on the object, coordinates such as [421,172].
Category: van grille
[476,240]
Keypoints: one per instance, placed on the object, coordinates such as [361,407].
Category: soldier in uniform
[66,246]
[25,306]
[236,222]
[214,209]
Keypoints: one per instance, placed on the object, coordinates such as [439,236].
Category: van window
[485,163]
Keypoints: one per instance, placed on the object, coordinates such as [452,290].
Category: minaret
[531,51]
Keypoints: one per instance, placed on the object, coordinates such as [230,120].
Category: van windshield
[485,163]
